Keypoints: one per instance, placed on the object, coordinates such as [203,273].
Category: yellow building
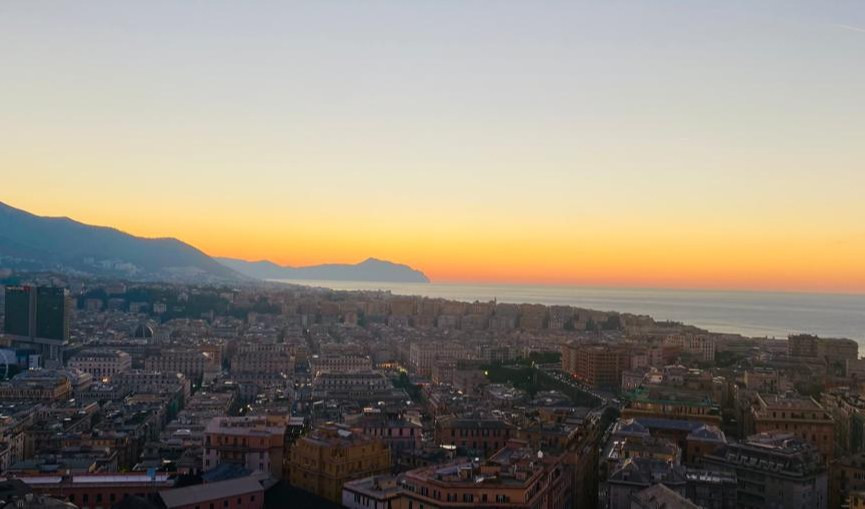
[332,455]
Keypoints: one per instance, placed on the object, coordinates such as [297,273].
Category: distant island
[371,269]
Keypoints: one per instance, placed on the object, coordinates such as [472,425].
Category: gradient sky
[656,143]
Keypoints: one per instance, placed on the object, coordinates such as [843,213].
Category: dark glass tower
[52,314]
[38,319]
[20,310]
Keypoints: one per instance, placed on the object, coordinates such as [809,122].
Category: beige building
[802,417]
[257,443]
[424,355]
[263,362]
[103,363]
[191,362]
[340,363]
[517,476]
[331,455]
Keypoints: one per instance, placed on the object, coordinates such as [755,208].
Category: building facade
[331,455]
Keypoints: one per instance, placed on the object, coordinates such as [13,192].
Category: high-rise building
[20,301]
[52,314]
[38,317]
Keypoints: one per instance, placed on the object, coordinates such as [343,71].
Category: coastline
[750,314]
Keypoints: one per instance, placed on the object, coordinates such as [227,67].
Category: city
[432,254]
[178,395]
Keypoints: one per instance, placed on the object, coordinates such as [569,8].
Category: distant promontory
[371,269]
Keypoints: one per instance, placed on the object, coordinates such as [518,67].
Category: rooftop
[211,491]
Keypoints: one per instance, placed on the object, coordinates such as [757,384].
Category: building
[702,441]
[257,443]
[830,350]
[846,476]
[774,470]
[263,362]
[659,496]
[340,363]
[42,385]
[711,489]
[157,382]
[38,318]
[670,402]
[700,347]
[240,493]
[803,417]
[355,386]
[102,363]
[423,355]
[473,435]
[517,476]
[638,474]
[847,409]
[597,365]
[332,455]
[97,490]
[399,434]
[191,362]
[377,492]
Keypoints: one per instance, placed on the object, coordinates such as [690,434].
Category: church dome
[143,331]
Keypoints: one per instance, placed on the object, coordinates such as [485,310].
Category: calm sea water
[756,314]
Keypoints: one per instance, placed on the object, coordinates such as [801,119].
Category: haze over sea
[755,314]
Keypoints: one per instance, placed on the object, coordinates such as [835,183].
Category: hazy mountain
[367,270]
[59,243]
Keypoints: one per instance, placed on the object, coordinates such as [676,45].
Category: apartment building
[257,443]
[102,363]
[517,476]
[596,364]
[774,470]
[802,417]
[333,454]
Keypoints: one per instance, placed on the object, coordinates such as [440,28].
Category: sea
[752,314]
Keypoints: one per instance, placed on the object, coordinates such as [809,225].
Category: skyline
[671,146]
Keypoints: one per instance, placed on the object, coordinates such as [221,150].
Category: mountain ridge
[60,243]
[34,242]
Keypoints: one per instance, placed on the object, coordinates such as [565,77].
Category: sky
[674,144]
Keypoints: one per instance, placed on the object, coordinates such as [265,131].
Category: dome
[143,331]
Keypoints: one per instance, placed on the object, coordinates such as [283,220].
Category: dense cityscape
[156,395]
[448,254]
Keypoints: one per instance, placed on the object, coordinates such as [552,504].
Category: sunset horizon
[609,276]
[678,146]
